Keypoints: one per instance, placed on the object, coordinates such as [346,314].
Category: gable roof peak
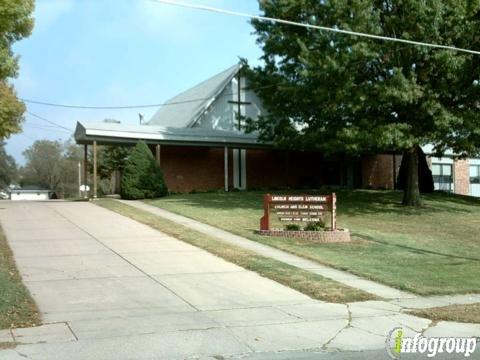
[183,110]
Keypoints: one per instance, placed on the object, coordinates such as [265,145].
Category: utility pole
[79,180]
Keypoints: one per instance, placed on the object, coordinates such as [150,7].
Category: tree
[142,177]
[111,159]
[341,93]
[111,162]
[15,23]
[44,165]
[11,111]
[52,165]
[425,177]
[8,168]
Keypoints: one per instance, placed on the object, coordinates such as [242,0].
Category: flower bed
[327,236]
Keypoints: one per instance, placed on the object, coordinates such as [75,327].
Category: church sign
[298,208]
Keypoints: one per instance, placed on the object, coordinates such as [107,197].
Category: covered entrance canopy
[112,133]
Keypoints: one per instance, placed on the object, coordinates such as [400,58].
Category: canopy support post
[85,171]
[94,169]
[157,153]
[225,167]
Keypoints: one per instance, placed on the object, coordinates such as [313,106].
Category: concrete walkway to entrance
[109,287]
[395,296]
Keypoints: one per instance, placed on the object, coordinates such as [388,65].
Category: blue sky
[121,52]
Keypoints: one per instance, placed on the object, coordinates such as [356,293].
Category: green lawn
[17,309]
[431,250]
[313,285]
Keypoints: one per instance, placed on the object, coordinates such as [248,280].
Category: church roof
[173,122]
[117,134]
[183,110]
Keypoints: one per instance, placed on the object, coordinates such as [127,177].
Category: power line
[28,137]
[310,26]
[170,103]
[46,128]
[31,123]
[90,107]
[49,121]
[109,107]
[28,122]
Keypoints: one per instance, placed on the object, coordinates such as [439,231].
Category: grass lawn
[430,250]
[313,285]
[17,309]
[459,313]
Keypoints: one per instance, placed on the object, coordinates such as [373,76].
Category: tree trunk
[411,195]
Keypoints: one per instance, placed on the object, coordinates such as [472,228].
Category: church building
[199,141]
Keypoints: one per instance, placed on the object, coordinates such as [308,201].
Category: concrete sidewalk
[394,296]
[343,277]
[111,288]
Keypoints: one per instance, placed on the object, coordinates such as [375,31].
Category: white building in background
[22,194]
[460,176]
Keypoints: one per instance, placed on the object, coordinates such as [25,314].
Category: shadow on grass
[351,203]
[414,249]
[368,202]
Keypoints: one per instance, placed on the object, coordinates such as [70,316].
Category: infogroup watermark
[398,344]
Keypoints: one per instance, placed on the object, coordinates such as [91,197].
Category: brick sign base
[334,236]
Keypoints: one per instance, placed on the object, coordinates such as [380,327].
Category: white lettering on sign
[316,198]
[310,219]
[296,198]
[299,198]
[301,213]
[298,206]
[290,219]
[304,219]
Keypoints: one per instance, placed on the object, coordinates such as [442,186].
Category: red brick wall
[189,168]
[461,171]
[267,169]
[377,171]
[295,169]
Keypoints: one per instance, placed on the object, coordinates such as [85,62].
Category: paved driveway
[111,288]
